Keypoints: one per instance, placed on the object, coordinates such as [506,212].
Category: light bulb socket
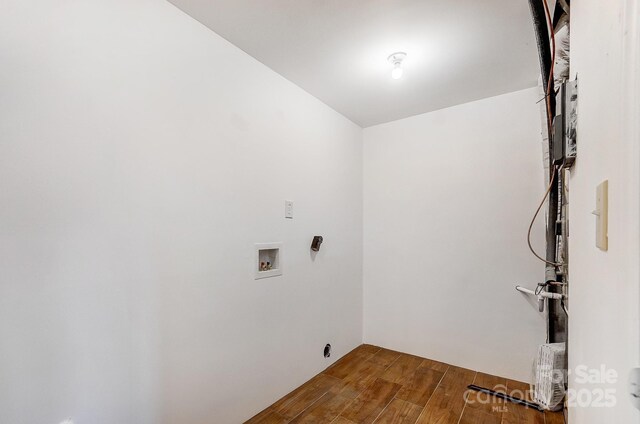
[396,60]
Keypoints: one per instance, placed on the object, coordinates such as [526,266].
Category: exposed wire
[553,62]
[533,220]
[550,123]
[564,307]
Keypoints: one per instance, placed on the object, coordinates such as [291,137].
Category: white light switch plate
[602,215]
[288,209]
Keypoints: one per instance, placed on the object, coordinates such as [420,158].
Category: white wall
[141,157]
[604,296]
[448,197]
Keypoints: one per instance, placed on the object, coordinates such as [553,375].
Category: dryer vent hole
[327,350]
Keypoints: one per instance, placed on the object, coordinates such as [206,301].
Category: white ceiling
[457,50]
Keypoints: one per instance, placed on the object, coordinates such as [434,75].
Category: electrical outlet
[634,387]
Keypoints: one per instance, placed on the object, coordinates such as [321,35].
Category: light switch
[288,209]
[602,215]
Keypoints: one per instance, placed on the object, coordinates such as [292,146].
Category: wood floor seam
[310,405]
[383,409]
[430,397]
[462,413]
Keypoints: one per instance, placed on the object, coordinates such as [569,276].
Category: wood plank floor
[376,385]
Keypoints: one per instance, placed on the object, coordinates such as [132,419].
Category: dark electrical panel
[564,147]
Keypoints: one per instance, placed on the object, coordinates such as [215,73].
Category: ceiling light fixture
[396,60]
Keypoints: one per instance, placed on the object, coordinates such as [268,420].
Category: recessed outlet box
[268,260]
